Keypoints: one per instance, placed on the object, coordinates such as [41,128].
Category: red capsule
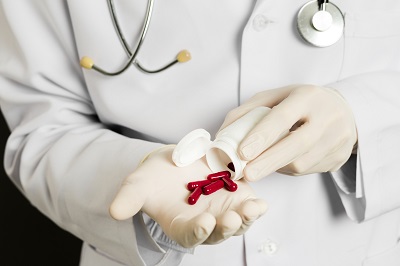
[219,175]
[231,167]
[229,184]
[214,186]
[192,185]
[195,195]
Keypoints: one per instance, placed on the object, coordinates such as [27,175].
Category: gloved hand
[158,188]
[322,132]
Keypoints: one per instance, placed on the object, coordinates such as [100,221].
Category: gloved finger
[332,162]
[273,127]
[250,211]
[129,200]
[300,166]
[227,225]
[329,153]
[192,232]
[282,153]
[268,98]
[311,158]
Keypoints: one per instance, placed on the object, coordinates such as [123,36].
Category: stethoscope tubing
[132,56]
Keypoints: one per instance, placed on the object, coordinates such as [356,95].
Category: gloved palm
[322,132]
[158,188]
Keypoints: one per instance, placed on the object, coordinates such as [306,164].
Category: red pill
[214,186]
[229,184]
[231,167]
[195,195]
[219,175]
[195,184]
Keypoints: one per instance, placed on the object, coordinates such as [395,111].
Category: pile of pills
[213,183]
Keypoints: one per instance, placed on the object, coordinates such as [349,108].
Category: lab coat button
[268,248]
[260,22]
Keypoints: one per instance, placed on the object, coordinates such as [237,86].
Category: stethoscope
[87,62]
[319,22]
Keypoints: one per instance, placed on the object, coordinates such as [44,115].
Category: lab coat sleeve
[67,163]
[369,182]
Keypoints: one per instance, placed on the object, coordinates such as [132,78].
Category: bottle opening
[221,155]
[218,160]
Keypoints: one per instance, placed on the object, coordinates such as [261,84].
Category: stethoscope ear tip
[87,62]
[183,56]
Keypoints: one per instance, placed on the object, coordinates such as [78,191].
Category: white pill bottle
[224,149]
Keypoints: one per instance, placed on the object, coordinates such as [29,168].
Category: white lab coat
[68,154]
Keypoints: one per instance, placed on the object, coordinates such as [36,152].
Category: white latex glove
[158,188]
[322,132]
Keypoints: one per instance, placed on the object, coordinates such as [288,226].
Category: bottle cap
[192,147]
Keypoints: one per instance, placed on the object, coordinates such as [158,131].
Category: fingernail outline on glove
[251,147]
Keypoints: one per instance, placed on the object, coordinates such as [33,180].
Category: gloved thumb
[129,200]
[192,232]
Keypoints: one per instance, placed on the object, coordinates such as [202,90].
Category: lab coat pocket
[372,41]
[390,257]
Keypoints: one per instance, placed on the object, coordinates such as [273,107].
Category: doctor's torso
[238,48]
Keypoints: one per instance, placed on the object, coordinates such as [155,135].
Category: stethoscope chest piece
[320,24]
